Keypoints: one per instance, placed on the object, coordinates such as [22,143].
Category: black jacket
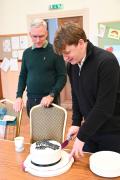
[96,93]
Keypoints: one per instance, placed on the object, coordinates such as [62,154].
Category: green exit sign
[56,6]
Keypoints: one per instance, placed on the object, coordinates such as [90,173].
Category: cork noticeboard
[7,45]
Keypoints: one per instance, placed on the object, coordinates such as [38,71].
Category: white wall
[13,13]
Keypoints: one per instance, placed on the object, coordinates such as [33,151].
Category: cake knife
[65,143]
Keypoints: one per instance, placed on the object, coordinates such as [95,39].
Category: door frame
[61,14]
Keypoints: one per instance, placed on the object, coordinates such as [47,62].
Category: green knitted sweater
[42,72]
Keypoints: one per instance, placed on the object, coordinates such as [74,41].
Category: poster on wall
[114,33]
[115,49]
[101,30]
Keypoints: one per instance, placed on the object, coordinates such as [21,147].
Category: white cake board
[55,170]
[105,164]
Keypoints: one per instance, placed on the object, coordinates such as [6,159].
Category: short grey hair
[38,23]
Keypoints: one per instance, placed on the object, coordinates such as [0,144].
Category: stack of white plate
[105,163]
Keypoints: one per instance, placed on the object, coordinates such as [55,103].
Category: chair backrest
[8,104]
[47,123]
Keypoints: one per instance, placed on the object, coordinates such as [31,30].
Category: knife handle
[69,137]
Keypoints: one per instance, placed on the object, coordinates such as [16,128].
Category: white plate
[105,163]
[55,170]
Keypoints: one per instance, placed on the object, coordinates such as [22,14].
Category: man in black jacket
[95,81]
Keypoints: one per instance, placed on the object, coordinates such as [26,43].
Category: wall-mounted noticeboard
[13,45]
[109,37]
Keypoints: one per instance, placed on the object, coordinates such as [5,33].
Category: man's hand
[73,131]
[18,105]
[46,101]
[77,150]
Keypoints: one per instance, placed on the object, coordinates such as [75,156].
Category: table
[10,166]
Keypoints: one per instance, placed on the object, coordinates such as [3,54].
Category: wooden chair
[11,128]
[47,123]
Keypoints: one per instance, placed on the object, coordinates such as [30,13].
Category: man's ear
[46,34]
[81,41]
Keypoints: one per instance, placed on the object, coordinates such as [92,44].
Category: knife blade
[65,143]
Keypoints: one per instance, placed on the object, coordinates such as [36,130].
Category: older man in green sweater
[43,72]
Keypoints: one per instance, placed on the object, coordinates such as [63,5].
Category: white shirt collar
[81,63]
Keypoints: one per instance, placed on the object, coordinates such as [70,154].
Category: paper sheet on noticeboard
[5,64]
[13,64]
[15,42]
[6,45]
[23,42]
